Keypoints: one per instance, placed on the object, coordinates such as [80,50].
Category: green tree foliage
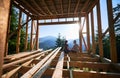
[116,12]
[106,42]
[13,26]
[60,41]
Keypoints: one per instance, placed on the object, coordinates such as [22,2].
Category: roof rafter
[69,7]
[86,3]
[38,7]
[76,6]
[24,1]
[23,10]
[47,7]
[54,6]
[61,6]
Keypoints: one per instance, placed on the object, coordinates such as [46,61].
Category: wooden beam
[11,73]
[69,7]
[92,74]
[92,66]
[99,29]
[92,6]
[8,30]
[84,6]
[80,34]
[33,9]
[22,9]
[26,36]
[63,22]
[13,33]
[54,7]
[31,37]
[115,19]
[76,8]
[85,43]
[36,4]
[113,52]
[61,6]
[32,71]
[88,32]
[46,65]
[4,15]
[37,36]
[19,32]
[22,60]
[58,70]
[47,8]
[70,15]
[93,34]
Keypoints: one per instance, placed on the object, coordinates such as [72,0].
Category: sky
[71,31]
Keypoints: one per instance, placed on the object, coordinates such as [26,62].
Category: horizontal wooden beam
[64,22]
[22,60]
[92,74]
[57,16]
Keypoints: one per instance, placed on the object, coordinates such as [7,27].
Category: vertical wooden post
[37,36]
[8,30]
[88,32]
[18,32]
[113,52]
[4,15]
[99,30]
[26,37]
[31,39]
[80,34]
[92,30]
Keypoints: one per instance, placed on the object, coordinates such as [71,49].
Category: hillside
[50,42]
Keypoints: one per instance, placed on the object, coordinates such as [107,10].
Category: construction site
[55,63]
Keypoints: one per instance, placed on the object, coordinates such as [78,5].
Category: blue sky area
[71,31]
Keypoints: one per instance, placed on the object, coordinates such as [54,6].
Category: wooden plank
[113,51]
[11,73]
[58,70]
[81,74]
[85,59]
[50,71]
[22,60]
[99,29]
[32,71]
[88,32]
[76,7]
[93,34]
[62,22]
[4,15]
[26,35]
[80,34]
[19,32]
[91,65]
[37,36]
[39,73]
[31,36]
[14,57]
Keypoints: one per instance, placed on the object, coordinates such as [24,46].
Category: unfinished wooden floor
[56,64]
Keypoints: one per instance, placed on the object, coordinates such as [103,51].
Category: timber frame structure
[54,63]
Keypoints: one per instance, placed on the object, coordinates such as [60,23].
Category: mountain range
[50,42]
